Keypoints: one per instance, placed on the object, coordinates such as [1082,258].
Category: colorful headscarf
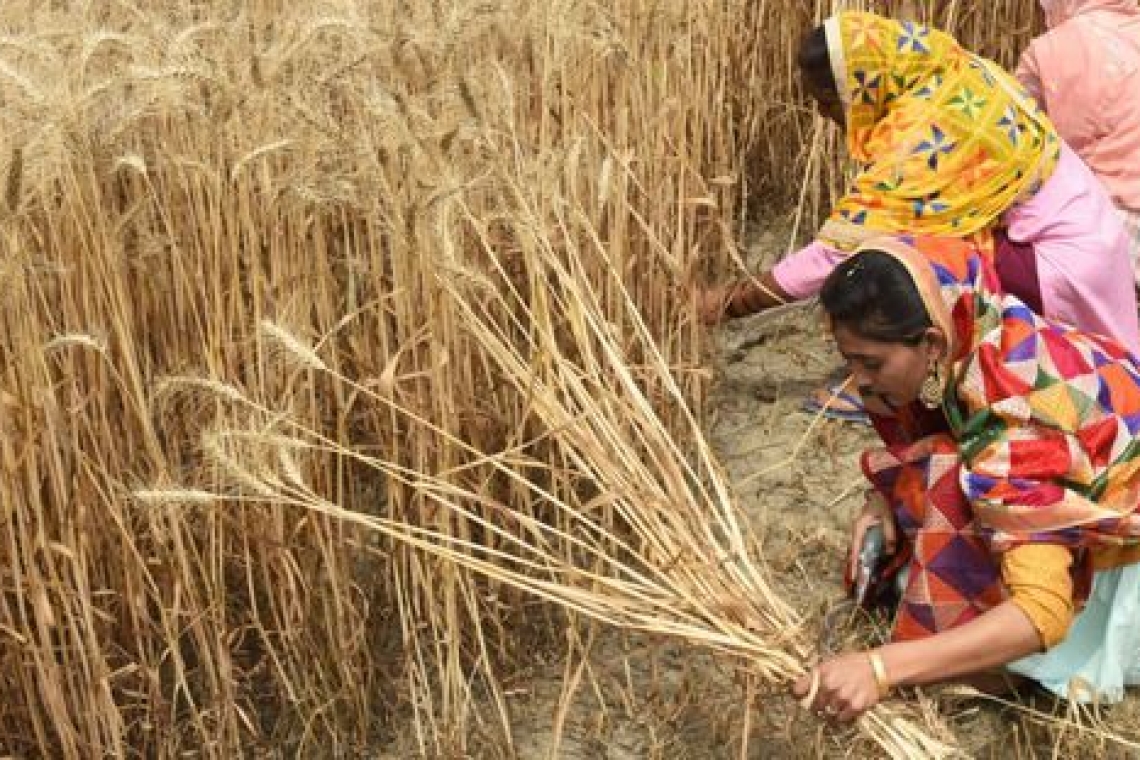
[947,139]
[1042,444]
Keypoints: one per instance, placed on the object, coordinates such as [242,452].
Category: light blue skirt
[1101,654]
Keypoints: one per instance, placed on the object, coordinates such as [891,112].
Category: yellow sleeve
[1037,576]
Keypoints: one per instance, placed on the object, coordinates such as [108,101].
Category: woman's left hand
[847,687]
[712,304]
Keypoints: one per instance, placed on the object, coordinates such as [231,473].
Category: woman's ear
[936,343]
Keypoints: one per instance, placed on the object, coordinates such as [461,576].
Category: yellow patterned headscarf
[948,140]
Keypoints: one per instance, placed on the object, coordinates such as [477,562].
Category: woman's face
[892,372]
[827,102]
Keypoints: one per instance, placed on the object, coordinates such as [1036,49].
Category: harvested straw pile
[328,329]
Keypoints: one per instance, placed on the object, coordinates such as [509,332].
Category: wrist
[736,301]
[902,667]
[882,675]
[752,295]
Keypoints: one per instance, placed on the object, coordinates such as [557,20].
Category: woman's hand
[740,299]
[846,687]
[874,512]
[712,304]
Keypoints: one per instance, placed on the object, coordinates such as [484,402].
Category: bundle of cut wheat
[677,560]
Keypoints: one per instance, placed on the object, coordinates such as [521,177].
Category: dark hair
[815,61]
[872,294]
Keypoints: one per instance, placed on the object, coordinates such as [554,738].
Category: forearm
[999,636]
[755,295]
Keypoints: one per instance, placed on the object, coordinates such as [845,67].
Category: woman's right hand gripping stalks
[874,512]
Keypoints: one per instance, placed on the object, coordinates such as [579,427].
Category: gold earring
[930,395]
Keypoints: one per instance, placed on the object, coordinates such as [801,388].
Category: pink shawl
[1085,71]
[1058,12]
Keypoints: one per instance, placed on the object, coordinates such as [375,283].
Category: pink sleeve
[801,275]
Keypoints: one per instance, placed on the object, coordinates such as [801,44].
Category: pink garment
[802,273]
[1085,72]
[1058,12]
[1131,221]
[1083,261]
[1083,264]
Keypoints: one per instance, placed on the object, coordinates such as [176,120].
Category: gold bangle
[880,671]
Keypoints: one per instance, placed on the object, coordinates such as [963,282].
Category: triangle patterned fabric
[1036,442]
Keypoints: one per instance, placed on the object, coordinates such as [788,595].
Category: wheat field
[349,359]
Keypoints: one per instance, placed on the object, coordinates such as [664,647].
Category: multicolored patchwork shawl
[947,139]
[1040,442]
